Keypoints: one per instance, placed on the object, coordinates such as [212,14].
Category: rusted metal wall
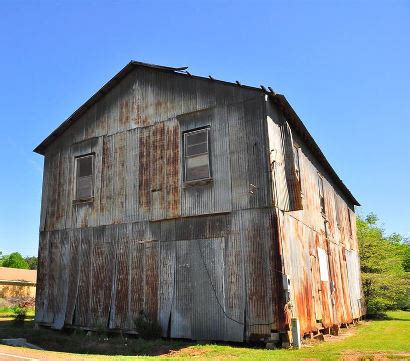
[210,277]
[135,134]
[202,260]
[317,303]
[206,261]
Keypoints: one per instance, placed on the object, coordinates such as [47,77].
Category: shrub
[147,328]
[20,313]
[21,307]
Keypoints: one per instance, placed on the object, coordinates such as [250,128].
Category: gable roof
[17,275]
[279,99]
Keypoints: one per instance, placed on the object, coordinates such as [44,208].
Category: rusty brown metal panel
[151,279]
[167,266]
[256,260]
[132,176]
[330,209]
[234,279]
[102,269]
[208,294]
[61,259]
[276,271]
[297,251]
[107,197]
[54,255]
[42,277]
[82,308]
[52,186]
[74,270]
[157,181]
[119,178]
[136,279]
[172,169]
[181,311]
[144,191]
[121,279]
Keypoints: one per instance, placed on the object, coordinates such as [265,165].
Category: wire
[217,299]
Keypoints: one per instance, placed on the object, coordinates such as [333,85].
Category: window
[321,193]
[84,170]
[196,155]
[296,161]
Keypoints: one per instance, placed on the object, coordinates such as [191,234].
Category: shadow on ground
[75,341]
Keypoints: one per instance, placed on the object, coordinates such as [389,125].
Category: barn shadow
[79,342]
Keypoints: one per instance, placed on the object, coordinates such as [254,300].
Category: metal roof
[279,99]
[17,274]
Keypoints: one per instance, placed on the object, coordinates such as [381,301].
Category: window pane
[84,187]
[84,166]
[197,167]
[196,149]
[197,137]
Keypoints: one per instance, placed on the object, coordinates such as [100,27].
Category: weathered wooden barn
[204,204]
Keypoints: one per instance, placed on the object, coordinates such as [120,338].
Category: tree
[15,260]
[384,261]
[32,262]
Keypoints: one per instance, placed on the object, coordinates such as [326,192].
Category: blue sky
[345,68]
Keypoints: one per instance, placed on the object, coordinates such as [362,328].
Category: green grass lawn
[7,312]
[389,338]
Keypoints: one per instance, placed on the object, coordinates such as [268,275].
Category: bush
[147,328]
[21,307]
[20,313]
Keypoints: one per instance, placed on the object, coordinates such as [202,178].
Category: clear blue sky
[344,67]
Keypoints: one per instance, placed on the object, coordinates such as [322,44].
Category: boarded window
[84,177]
[196,155]
[324,271]
[321,193]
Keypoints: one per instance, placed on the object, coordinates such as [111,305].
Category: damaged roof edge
[279,99]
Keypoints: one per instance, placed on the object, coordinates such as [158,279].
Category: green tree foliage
[32,262]
[14,260]
[384,265]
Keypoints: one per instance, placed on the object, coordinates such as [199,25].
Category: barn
[202,204]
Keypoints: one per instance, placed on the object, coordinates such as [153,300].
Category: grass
[7,312]
[388,338]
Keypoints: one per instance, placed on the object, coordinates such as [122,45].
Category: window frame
[77,158]
[185,134]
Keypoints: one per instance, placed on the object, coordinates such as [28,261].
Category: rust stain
[172,181]
[144,191]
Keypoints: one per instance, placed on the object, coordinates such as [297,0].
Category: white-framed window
[84,177]
[196,155]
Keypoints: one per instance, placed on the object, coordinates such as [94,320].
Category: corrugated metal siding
[208,277]
[138,173]
[205,261]
[304,231]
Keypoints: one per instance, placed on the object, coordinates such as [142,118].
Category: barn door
[197,312]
